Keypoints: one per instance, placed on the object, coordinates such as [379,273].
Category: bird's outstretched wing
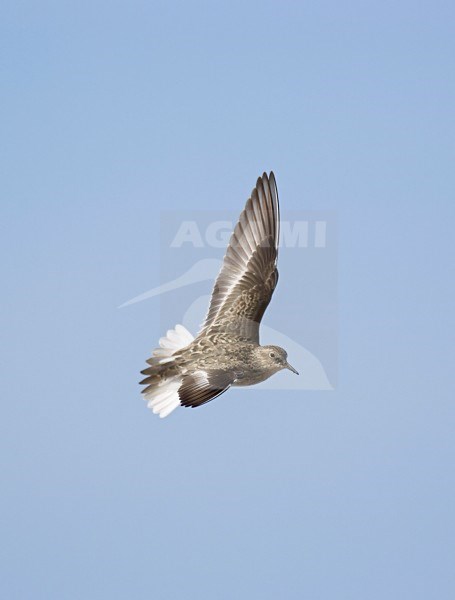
[248,277]
[202,386]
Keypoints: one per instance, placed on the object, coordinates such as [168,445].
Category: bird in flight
[187,371]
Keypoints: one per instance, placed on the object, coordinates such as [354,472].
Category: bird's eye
[272,354]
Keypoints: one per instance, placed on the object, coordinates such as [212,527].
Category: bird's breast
[252,377]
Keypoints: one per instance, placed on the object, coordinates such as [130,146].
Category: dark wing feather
[202,386]
[248,277]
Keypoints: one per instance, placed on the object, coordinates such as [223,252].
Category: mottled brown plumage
[226,352]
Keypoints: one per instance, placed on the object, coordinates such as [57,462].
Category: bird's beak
[288,366]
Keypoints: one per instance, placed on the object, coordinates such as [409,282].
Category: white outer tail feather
[164,398]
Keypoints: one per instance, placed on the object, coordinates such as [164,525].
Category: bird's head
[276,358]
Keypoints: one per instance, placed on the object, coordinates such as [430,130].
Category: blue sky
[112,112]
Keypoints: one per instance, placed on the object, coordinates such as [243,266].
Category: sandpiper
[187,371]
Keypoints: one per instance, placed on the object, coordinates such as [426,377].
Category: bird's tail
[163,377]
